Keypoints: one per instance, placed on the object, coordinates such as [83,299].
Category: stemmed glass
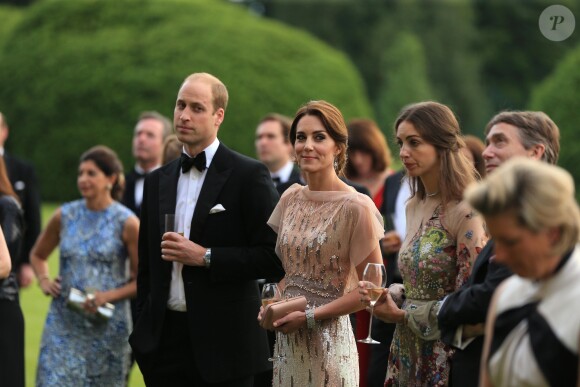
[270,294]
[375,279]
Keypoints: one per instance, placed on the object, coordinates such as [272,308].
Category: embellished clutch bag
[277,310]
[77,298]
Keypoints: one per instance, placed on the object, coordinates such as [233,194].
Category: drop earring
[335,165]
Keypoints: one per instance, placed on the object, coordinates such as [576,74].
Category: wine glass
[375,279]
[270,294]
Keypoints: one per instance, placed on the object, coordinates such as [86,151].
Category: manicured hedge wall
[77,73]
[559,97]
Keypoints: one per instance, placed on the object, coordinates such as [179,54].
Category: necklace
[430,195]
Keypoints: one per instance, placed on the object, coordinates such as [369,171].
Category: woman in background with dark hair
[473,150]
[11,319]
[369,158]
[98,238]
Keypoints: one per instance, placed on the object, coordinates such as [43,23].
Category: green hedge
[558,96]
[76,74]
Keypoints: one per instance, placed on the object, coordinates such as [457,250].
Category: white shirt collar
[209,152]
[284,172]
[142,171]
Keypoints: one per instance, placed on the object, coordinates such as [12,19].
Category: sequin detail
[75,351]
[314,242]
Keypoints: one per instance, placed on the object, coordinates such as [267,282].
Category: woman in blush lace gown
[98,254]
[327,233]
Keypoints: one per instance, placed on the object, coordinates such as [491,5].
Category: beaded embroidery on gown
[435,260]
[322,236]
[76,351]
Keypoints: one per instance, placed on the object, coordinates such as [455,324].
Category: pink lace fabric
[322,236]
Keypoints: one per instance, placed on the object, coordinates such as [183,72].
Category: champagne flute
[270,294]
[375,279]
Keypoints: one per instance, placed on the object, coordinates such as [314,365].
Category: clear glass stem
[370,323]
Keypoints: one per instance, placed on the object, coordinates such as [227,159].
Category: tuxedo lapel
[168,191]
[217,175]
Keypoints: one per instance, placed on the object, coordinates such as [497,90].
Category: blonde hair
[541,196]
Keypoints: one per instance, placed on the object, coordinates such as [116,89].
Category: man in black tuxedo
[149,134]
[274,149]
[462,314]
[197,294]
[23,179]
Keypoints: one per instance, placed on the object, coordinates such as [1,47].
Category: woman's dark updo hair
[108,162]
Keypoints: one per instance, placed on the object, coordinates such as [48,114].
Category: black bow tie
[198,162]
[276,180]
[138,175]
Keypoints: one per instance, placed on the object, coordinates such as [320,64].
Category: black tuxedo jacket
[129,193]
[293,179]
[469,305]
[23,179]
[222,301]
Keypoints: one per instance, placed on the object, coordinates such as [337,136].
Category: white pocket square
[217,208]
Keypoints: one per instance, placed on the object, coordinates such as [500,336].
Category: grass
[35,307]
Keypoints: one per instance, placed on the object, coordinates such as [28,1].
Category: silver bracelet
[310,321]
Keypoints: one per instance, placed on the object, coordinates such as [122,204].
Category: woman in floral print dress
[443,238]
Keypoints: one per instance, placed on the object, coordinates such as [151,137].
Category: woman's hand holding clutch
[291,322]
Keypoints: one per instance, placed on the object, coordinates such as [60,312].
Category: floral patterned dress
[435,260]
[76,351]
[322,236]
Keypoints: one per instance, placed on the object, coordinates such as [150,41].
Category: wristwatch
[207,258]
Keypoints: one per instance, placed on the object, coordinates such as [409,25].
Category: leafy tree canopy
[76,74]
[558,96]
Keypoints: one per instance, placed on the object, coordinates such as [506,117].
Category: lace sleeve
[367,230]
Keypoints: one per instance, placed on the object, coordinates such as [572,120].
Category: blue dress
[76,351]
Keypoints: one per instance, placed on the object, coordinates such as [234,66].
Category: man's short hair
[218,89]
[285,123]
[167,126]
[534,128]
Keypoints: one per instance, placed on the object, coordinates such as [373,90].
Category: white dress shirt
[188,189]
[139,183]
[283,173]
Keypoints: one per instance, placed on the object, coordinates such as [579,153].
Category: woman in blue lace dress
[98,255]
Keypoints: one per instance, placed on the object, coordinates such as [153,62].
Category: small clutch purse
[76,299]
[277,310]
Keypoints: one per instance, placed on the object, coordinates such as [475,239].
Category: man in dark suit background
[274,149]
[149,134]
[463,313]
[197,297]
[23,179]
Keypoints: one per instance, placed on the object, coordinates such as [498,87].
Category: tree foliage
[75,74]
[405,80]
[558,96]
[515,55]
[365,30]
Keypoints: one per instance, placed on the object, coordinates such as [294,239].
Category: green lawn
[35,306]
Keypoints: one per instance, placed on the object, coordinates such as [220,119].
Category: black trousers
[173,364]
[11,344]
